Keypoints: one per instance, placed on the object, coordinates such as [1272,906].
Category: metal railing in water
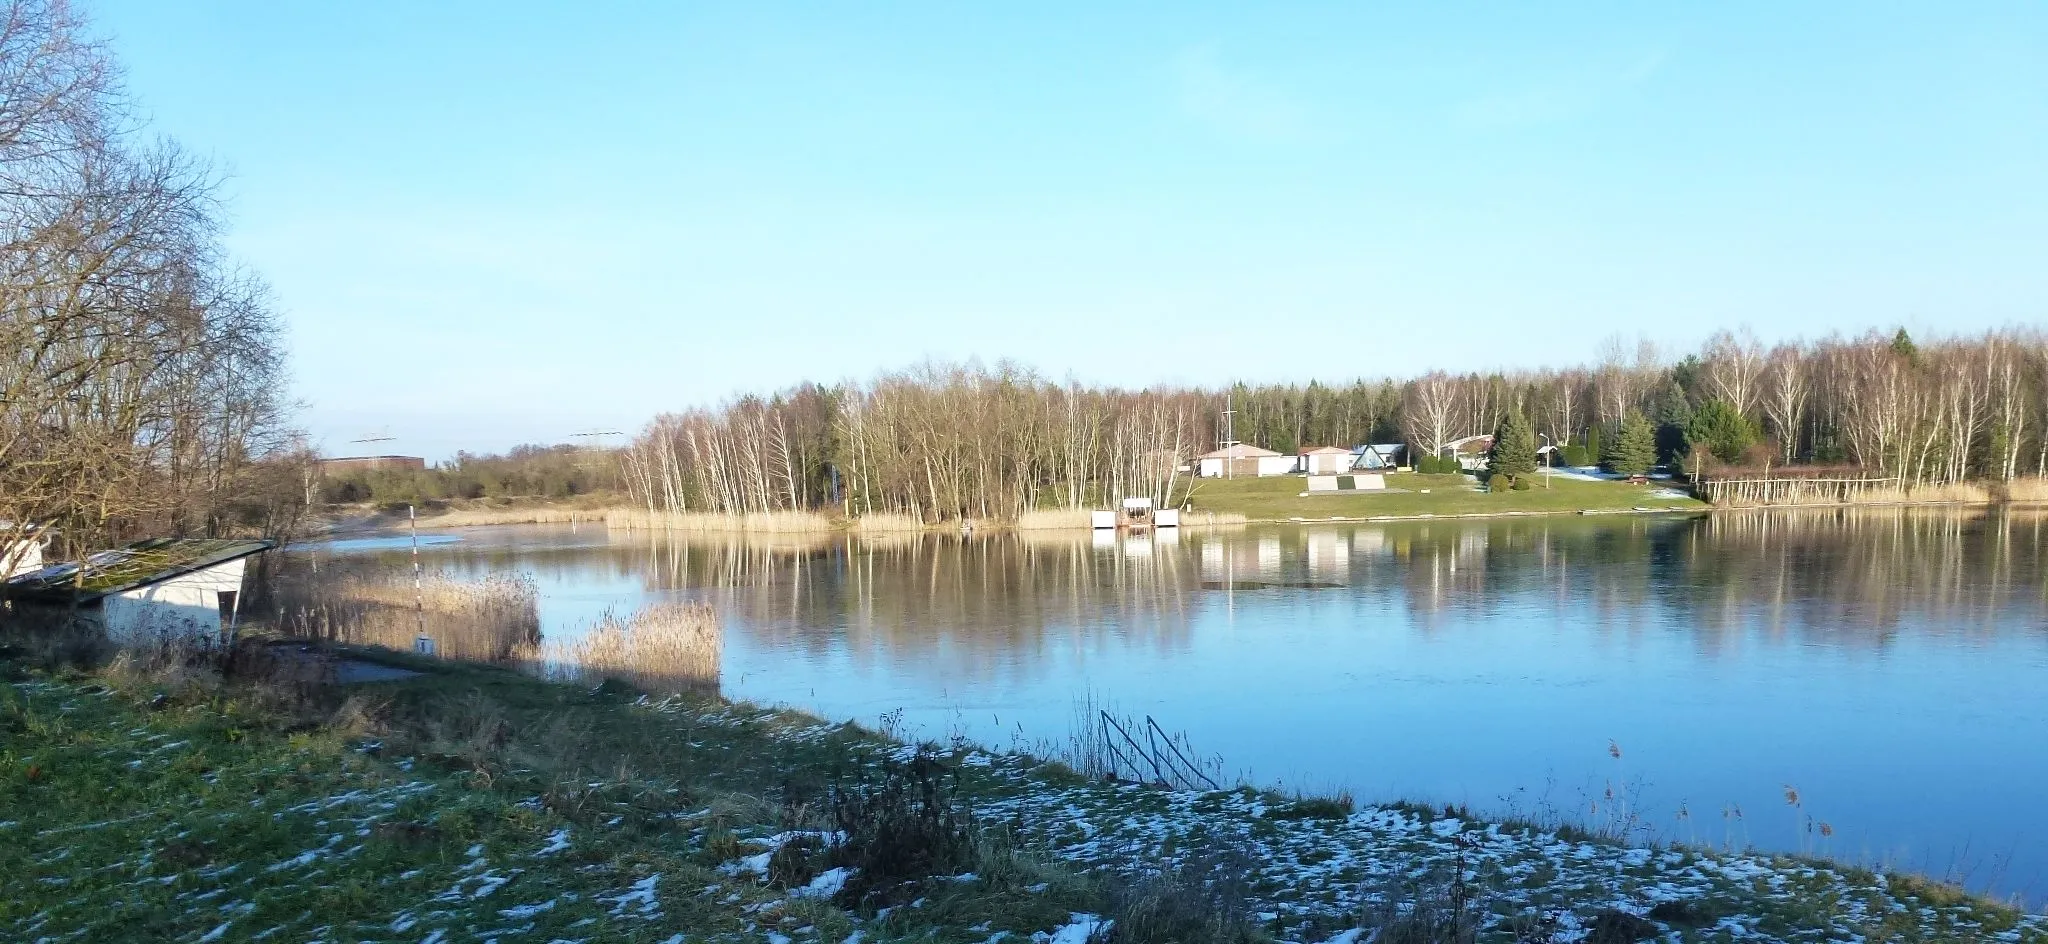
[1169,767]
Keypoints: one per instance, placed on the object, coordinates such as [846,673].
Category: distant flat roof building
[1241,459]
[347,464]
[1324,460]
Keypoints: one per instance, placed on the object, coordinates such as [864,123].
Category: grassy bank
[469,803]
[1280,498]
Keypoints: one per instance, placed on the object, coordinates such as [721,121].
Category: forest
[946,441]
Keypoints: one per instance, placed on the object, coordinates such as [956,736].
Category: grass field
[1279,498]
[471,804]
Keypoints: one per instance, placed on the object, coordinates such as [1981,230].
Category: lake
[1688,677]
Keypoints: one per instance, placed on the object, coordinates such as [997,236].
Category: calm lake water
[1891,667]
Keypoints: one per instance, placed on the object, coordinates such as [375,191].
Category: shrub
[1203,900]
[905,828]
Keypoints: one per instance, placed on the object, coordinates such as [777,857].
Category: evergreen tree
[1672,411]
[1903,346]
[1635,446]
[1722,429]
[1514,449]
[1596,450]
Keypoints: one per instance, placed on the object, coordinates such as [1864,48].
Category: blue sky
[494,223]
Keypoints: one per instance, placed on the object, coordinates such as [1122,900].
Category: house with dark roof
[151,591]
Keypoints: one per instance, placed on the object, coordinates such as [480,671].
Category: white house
[1325,460]
[1240,459]
[1470,451]
[152,591]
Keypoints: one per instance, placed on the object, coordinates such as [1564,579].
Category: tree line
[944,441]
[530,471]
[140,368]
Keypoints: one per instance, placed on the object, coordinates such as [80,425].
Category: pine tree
[1635,447]
[1596,450]
[1514,449]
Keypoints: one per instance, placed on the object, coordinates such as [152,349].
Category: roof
[1324,451]
[137,565]
[1238,451]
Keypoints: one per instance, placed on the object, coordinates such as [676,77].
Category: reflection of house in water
[1234,560]
[1329,557]
[158,590]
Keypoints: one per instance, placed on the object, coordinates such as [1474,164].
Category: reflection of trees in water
[973,601]
[977,606]
[1847,576]
[1824,574]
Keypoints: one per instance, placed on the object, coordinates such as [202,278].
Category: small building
[1470,451]
[346,465]
[1378,457]
[1324,460]
[152,591]
[1241,459]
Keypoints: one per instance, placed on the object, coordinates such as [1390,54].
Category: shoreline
[385,524]
[1309,867]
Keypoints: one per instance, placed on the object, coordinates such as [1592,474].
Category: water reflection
[1889,664]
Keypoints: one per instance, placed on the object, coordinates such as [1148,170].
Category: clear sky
[491,223]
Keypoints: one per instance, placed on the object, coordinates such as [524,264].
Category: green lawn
[1280,498]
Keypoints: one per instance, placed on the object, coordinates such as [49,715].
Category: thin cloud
[1557,99]
[1234,101]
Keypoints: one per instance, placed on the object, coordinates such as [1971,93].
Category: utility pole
[1229,438]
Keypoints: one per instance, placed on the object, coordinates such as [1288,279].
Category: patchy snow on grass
[1078,930]
[826,885]
[556,843]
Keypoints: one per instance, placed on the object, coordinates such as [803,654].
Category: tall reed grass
[2029,489]
[667,647]
[1049,519]
[637,519]
[491,620]
[471,517]
[885,523]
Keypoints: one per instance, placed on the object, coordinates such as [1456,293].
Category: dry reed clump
[472,517]
[668,647]
[1958,493]
[1211,519]
[487,620]
[636,519]
[1048,519]
[2029,489]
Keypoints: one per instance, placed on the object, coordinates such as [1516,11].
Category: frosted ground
[302,839]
